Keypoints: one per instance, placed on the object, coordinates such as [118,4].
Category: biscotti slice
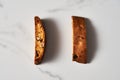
[79,39]
[39,40]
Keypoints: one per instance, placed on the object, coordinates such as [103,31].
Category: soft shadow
[52,40]
[92,42]
[1,5]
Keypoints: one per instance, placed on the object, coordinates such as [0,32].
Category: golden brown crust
[39,40]
[79,39]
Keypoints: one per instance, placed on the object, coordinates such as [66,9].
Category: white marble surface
[17,39]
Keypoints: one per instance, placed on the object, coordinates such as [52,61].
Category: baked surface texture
[79,39]
[39,40]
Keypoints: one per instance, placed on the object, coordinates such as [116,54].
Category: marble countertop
[17,39]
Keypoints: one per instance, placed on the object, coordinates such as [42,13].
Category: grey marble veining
[77,5]
[54,76]
[3,45]
[10,39]
[72,5]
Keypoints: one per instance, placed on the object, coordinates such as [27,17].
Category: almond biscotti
[79,39]
[39,40]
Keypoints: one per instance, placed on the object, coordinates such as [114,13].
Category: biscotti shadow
[92,40]
[52,40]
